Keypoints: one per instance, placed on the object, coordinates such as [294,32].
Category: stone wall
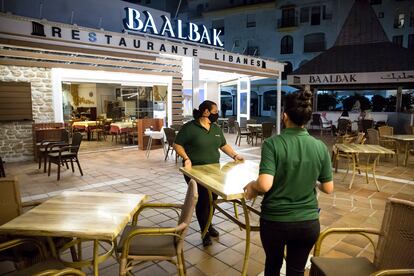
[16,139]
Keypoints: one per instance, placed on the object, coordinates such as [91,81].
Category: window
[304,15]
[326,13]
[375,2]
[251,21]
[399,21]
[410,44]
[316,16]
[286,45]
[288,69]
[219,25]
[288,18]
[314,43]
[398,39]
[252,51]
[15,101]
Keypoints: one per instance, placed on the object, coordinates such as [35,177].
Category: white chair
[154,135]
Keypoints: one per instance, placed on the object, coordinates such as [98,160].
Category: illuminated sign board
[144,22]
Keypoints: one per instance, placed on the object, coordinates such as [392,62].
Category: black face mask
[213,117]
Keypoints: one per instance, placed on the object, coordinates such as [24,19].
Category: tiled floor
[126,170]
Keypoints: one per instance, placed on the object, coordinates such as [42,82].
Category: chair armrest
[31,204]
[405,271]
[62,272]
[170,231]
[60,145]
[156,206]
[16,242]
[360,231]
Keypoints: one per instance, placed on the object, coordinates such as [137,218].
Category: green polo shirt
[296,160]
[201,145]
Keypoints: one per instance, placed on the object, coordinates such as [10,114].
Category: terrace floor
[126,170]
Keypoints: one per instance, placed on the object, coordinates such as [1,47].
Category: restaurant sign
[12,27]
[352,78]
[145,22]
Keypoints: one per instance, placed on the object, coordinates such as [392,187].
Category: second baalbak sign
[352,78]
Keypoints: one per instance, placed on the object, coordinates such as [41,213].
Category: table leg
[95,258]
[52,247]
[406,153]
[373,172]
[210,215]
[353,171]
[80,249]
[247,248]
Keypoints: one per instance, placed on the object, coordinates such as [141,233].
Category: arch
[314,42]
[286,45]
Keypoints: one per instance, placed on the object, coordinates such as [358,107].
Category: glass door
[243,101]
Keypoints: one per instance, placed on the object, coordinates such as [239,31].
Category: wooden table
[403,138]
[82,215]
[354,150]
[228,180]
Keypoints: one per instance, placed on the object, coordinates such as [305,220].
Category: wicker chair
[176,127]
[231,124]
[374,139]
[336,154]
[366,124]
[99,130]
[242,132]
[266,132]
[393,253]
[64,153]
[12,207]
[143,244]
[344,127]
[47,266]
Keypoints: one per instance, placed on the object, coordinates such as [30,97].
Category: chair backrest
[231,122]
[386,130]
[176,127]
[76,141]
[170,135]
[65,136]
[316,119]
[396,241]
[10,201]
[251,121]
[187,211]
[366,124]
[267,129]
[360,139]
[237,126]
[373,136]
[343,126]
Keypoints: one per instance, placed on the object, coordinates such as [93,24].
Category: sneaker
[213,232]
[207,241]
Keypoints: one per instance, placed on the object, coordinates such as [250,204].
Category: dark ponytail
[201,108]
[298,106]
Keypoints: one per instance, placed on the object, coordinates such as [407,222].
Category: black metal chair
[366,124]
[316,120]
[65,153]
[2,171]
[267,130]
[242,132]
[43,148]
[170,135]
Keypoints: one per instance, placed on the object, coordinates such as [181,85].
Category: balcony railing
[287,22]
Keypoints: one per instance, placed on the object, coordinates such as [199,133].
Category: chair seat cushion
[64,154]
[45,265]
[148,245]
[341,267]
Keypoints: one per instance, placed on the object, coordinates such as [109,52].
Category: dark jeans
[298,237]
[203,206]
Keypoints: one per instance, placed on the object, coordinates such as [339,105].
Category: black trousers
[298,237]
[203,205]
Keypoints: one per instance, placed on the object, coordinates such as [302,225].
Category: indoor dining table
[227,180]
[354,150]
[84,216]
[406,139]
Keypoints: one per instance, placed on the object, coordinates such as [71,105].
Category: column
[278,103]
[196,82]
[399,99]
